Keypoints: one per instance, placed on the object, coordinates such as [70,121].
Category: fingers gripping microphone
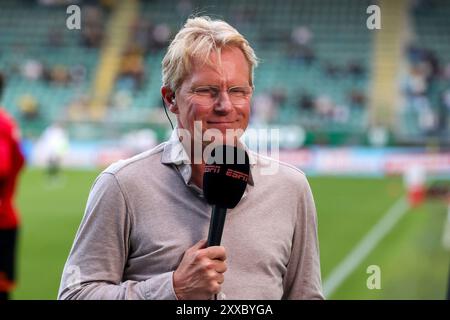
[224,182]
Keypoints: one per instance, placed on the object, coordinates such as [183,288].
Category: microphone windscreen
[226,175]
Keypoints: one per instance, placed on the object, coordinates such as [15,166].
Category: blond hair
[199,37]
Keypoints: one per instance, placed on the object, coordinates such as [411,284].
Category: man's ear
[169,98]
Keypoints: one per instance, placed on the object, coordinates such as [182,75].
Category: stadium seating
[33,32]
[431,28]
[338,33]
[338,36]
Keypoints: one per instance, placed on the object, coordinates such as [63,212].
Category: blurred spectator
[444,111]
[415,83]
[414,54]
[78,74]
[32,69]
[421,90]
[108,4]
[446,98]
[279,96]
[149,38]
[92,28]
[425,63]
[301,36]
[446,72]
[47,74]
[357,99]
[59,75]
[432,64]
[331,69]
[263,109]
[161,35]
[306,102]
[324,106]
[142,36]
[300,45]
[131,74]
[426,116]
[355,69]
[341,114]
[53,146]
[28,107]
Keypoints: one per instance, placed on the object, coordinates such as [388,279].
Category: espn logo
[212,168]
[237,175]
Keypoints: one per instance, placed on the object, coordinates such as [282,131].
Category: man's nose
[223,103]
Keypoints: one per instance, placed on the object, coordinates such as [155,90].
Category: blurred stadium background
[356,109]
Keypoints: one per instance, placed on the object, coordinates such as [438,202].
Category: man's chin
[223,133]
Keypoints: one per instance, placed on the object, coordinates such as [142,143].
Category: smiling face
[222,114]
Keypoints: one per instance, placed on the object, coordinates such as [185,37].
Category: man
[11,162]
[53,145]
[144,229]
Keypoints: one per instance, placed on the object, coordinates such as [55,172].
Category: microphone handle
[216,224]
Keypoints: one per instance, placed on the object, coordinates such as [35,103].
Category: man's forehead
[231,63]
[203,71]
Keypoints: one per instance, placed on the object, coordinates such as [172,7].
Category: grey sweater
[143,213]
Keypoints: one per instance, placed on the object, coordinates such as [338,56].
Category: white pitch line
[365,246]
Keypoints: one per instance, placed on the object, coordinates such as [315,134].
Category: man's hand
[200,273]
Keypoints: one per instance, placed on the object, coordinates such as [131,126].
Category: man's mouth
[221,122]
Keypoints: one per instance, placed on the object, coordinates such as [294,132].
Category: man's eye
[205,91]
[238,91]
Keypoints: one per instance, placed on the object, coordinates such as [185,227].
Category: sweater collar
[175,153]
